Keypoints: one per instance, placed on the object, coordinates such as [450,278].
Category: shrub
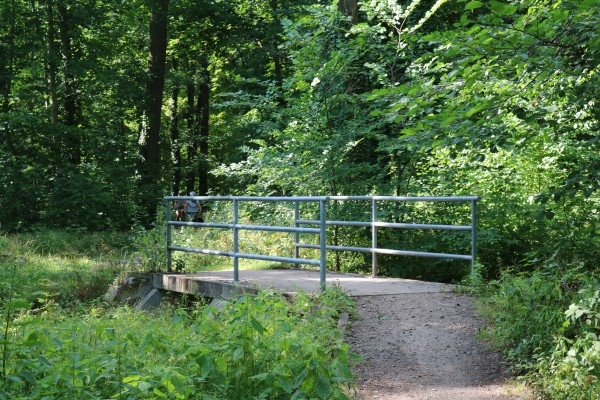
[255,347]
[572,369]
[549,323]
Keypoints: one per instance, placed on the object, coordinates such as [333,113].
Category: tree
[150,134]
[492,98]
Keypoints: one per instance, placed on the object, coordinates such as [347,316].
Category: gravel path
[424,346]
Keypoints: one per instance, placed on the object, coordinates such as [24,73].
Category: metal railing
[321,230]
[374,224]
[236,227]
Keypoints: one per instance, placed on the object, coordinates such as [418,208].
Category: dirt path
[423,346]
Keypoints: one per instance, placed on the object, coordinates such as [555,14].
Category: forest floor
[425,346]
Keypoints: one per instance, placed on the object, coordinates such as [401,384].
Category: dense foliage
[60,341]
[549,323]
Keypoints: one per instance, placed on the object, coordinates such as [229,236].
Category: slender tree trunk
[175,144]
[150,136]
[6,65]
[203,125]
[51,66]
[277,57]
[190,172]
[349,8]
[73,140]
[6,76]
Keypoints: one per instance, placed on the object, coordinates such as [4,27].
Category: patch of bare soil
[424,346]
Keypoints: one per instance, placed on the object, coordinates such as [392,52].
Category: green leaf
[322,387]
[473,110]
[132,378]
[342,370]
[257,326]
[503,9]
[284,384]
[408,131]
[205,365]
[588,4]
[300,378]
[299,395]
[473,5]
[238,353]
[18,304]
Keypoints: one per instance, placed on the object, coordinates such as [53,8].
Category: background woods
[108,106]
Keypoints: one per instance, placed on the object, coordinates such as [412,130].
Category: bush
[256,347]
[549,323]
[572,369]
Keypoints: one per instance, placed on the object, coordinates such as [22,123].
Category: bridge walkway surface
[146,290]
[289,281]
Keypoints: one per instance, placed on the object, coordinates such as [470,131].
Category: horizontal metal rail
[246,255]
[445,199]
[326,198]
[268,228]
[390,225]
[390,251]
[263,199]
[202,251]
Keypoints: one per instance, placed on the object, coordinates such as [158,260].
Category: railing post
[236,274]
[296,234]
[473,235]
[373,238]
[323,243]
[168,209]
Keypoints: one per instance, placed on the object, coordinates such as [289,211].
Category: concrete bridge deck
[293,280]
[149,288]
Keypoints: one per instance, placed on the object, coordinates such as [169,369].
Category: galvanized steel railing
[322,224]
[236,227]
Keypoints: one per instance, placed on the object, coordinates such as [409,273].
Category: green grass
[59,340]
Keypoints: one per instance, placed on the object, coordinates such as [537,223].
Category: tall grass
[62,266]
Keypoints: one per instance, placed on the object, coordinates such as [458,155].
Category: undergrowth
[548,322]
[255,347]
[60,341]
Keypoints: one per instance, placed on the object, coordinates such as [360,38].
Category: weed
[73,346]
[550,329]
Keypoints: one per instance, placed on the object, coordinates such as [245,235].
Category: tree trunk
[72,139]
[203,120]
[277,56]
[175,144]
[190,172]
[150,135]
[349,8]
[51,66]
[6,76]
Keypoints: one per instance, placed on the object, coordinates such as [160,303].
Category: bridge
[146,290]
[225,284]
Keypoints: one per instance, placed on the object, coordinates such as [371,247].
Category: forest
[108,106]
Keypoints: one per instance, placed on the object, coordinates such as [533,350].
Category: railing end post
[168,215]
[323,242]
